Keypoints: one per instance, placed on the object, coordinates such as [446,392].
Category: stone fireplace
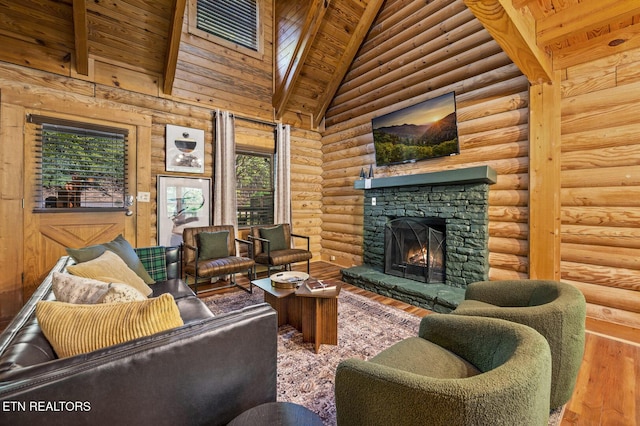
[455,204]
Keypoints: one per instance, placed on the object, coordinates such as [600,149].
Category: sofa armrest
[24,317]
[206,372]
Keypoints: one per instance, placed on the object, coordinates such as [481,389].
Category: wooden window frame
[72,199]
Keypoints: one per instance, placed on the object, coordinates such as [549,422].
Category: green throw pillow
[212,245]
[119,246]
[275,236]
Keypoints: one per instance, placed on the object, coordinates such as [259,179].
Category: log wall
[600,185]
[413,53]
[209,77]
[214,74]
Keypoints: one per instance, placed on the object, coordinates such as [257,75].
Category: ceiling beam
[81,36]
[310,28]
[518,4]
[515,33]
[173,46]
[584,17]
[618,41]
[364,24]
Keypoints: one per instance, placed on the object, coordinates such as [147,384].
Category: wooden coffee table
[315,314]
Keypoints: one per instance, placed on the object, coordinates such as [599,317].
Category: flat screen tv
[419,132]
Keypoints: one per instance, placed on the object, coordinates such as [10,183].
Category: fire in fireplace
[415,248]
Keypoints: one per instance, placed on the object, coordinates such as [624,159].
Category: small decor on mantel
[371,171]
[362,175]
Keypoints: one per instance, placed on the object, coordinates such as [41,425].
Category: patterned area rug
[307,378]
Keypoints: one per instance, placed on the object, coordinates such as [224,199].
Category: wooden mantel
[479,174]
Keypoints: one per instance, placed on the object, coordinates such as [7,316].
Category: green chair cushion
[422,357]
[212,245]
[275,235]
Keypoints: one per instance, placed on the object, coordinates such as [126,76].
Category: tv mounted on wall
[426,130]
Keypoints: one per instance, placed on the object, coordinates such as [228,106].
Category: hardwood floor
[605,392]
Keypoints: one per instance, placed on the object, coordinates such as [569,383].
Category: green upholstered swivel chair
[458,371]
[556,310]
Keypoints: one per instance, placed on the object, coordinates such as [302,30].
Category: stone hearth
[460,198]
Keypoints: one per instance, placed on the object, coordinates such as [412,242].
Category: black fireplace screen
[415,249]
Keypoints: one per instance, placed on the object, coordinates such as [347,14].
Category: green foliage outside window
[254,191]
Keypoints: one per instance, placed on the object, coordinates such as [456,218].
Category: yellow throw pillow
[74,329]
[110,265]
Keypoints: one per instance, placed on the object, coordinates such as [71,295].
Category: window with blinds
[79,166]
[233,20]
[254,188]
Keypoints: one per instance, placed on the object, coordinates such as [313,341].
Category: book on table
[319,285]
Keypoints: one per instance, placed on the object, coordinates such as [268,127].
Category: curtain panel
[224,183]
[282,196]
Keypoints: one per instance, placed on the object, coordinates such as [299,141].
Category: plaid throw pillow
[154,260]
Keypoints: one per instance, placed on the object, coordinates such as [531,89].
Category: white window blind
[79,166]
[233,20]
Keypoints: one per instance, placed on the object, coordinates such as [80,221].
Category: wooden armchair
[210,251]
[272,246]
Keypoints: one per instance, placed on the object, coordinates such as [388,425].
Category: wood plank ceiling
[315,40]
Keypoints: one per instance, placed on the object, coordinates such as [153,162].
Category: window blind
[233,20]
[79,166]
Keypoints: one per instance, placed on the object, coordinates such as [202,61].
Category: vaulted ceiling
[540,36]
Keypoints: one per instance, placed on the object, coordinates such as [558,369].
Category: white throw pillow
[119,293]
[73,289]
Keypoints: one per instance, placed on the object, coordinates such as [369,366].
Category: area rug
[365,328]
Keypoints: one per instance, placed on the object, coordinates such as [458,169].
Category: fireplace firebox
[415,248]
